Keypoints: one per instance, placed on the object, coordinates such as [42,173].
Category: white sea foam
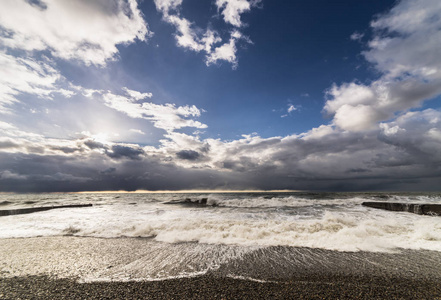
[332,231]
[332,223]
[268,202]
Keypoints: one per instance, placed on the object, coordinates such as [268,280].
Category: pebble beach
[208,287]
[93,268]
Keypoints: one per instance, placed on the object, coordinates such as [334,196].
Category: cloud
[165,6]
[63,27]
[63,177]
[227,51]
[409,63]
[6,143]
[108,171]
[418,133]
[84,172]
[34,33]
[356,36]
[25,75]
[91,144]
[187,35]
[408,25]
[138,131]
[121,151]
[191,37]
[137,95]
[188,154]
[168,116]
[292,108]
[16,140]
[400,154]
[232,9]
[10,175]
[65,149]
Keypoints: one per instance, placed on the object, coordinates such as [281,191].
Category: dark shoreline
[212,287]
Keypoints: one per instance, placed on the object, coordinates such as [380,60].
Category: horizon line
[186,191]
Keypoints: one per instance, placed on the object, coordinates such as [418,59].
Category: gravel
[93,268]
[210,287]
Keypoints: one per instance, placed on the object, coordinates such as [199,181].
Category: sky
[101,95]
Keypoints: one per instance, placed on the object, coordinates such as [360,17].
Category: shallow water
[133,259]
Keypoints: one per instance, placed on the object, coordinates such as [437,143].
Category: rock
[421,209]
[8,212]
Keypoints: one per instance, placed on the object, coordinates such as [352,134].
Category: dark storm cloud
[188,155]
[205,148]
[118,152]
[8,144]
[94,144]
[31,173]
[108,171]
[66,150]
[241,164]
[37,3]
[359,170]
[404,154]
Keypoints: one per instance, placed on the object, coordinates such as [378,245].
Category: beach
[206,287]
[222,149]
[96,268]
[218,246]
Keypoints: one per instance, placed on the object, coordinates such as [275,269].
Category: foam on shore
[95,259]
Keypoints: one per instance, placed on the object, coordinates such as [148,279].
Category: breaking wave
[261,202]
[333,222]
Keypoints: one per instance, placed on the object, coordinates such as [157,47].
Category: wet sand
[95,268]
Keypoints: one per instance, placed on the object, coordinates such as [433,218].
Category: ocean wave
[297,200]
[262,202]
[339,231]
[338,223]
[333,232]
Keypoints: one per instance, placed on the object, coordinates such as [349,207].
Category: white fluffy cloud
[137,131]
[186,36]
[292,108]
[225,52]
[232,9]
[137,95]
[164,116]
[84,30]
[413,42]
[409,61]
[25,75]
[191,37]
[165,6]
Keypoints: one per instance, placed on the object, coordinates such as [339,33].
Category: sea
[218,228]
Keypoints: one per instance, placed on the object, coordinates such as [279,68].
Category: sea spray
[333,221]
